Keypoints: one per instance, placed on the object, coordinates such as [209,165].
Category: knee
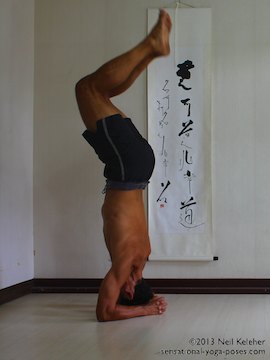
[85,85]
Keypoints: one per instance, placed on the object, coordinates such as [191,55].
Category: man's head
[136,293]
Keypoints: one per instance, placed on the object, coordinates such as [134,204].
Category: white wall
[72,39]
[16,141]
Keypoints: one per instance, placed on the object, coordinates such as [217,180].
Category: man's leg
[95,90]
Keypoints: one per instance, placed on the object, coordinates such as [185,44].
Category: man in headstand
[129,163]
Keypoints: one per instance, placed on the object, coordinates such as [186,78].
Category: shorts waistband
[124,185]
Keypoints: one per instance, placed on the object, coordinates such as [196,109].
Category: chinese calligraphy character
[184,73]
[160,198]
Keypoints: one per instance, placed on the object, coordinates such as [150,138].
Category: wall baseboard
[161,286]
[13,292]
[66,285]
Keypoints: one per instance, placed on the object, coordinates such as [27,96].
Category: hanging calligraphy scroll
[179,130]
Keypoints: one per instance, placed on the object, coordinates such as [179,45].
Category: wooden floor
[63,327]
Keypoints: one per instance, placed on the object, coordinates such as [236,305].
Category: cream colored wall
[72,38]
[16,141]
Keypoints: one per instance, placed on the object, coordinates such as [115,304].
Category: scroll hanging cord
[175,31]
[178,4]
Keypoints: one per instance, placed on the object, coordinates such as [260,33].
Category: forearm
[121,312]
[157,306]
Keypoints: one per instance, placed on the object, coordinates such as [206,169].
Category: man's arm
[109,310]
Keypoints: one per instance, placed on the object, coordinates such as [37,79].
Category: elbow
[101,316]
[104,315]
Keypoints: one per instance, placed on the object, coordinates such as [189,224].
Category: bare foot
[157,306]
[159,36]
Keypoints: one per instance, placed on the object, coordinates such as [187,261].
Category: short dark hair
[142,295]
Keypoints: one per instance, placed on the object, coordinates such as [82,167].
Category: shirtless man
[129,163]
